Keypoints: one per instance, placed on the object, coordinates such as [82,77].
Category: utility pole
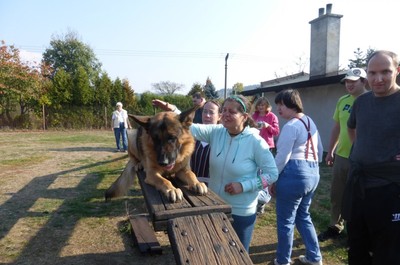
[226,71]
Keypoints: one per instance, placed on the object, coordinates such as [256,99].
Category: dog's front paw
[200,188]
[174,195]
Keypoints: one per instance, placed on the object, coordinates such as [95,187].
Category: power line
[161,54]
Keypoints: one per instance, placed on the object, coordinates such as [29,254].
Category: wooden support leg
[143,235]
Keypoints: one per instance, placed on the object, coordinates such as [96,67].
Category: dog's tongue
[169,167]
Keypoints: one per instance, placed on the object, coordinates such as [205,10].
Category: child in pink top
[268,122]
[268,125]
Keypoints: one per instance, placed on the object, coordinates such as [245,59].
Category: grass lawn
[52,208]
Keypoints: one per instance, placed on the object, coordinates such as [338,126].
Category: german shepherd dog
[162,146]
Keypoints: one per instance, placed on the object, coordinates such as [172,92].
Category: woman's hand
[234,188]
[163,105]
[262,124]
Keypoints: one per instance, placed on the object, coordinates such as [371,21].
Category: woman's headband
[240,101]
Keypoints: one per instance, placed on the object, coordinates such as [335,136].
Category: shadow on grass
[265,254]
[84,149]
[80,202]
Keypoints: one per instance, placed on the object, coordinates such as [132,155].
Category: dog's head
[168,136]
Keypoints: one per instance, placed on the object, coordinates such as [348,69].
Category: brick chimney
[325,42]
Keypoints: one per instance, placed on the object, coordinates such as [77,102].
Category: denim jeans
[294,191]
[118,132]
[244,227]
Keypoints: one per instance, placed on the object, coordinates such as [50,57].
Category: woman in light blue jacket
[240,163]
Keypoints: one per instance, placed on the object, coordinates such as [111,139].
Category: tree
[167,87]
[61,90]
[143,105]
[82,93]
[301,63]
[20,86]
[237,88]
[116,93]
[197,87]
[209,90]
[129,99]
[360,60]
[68,53]
[102,91]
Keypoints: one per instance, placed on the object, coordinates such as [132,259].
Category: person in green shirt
[339,149]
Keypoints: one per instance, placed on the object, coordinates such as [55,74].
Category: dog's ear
[186,117]
[141,120]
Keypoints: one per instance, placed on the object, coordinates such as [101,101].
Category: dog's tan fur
[164,140]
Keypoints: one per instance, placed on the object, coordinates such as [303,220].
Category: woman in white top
[299,150]
[120,123]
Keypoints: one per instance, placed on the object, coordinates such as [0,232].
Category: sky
[186,41]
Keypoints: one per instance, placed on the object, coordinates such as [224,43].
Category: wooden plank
[156,200]
[190,245]
[224,232]
[183,204]
[169,214]
[211,198]
[160,223]
[152,197]
[206,239]
[161,209]
[144,236]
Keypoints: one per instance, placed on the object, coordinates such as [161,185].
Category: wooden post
[44,118]
[105,116]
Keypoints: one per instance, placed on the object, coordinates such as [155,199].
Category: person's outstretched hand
[163,105]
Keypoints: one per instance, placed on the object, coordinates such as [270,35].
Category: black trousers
[374,226]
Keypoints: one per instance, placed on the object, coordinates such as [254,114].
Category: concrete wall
[319,103]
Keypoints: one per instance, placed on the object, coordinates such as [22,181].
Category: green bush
[94,117]
[145,106]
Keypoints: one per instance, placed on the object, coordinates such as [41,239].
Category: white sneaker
[276,263]
[304,260]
